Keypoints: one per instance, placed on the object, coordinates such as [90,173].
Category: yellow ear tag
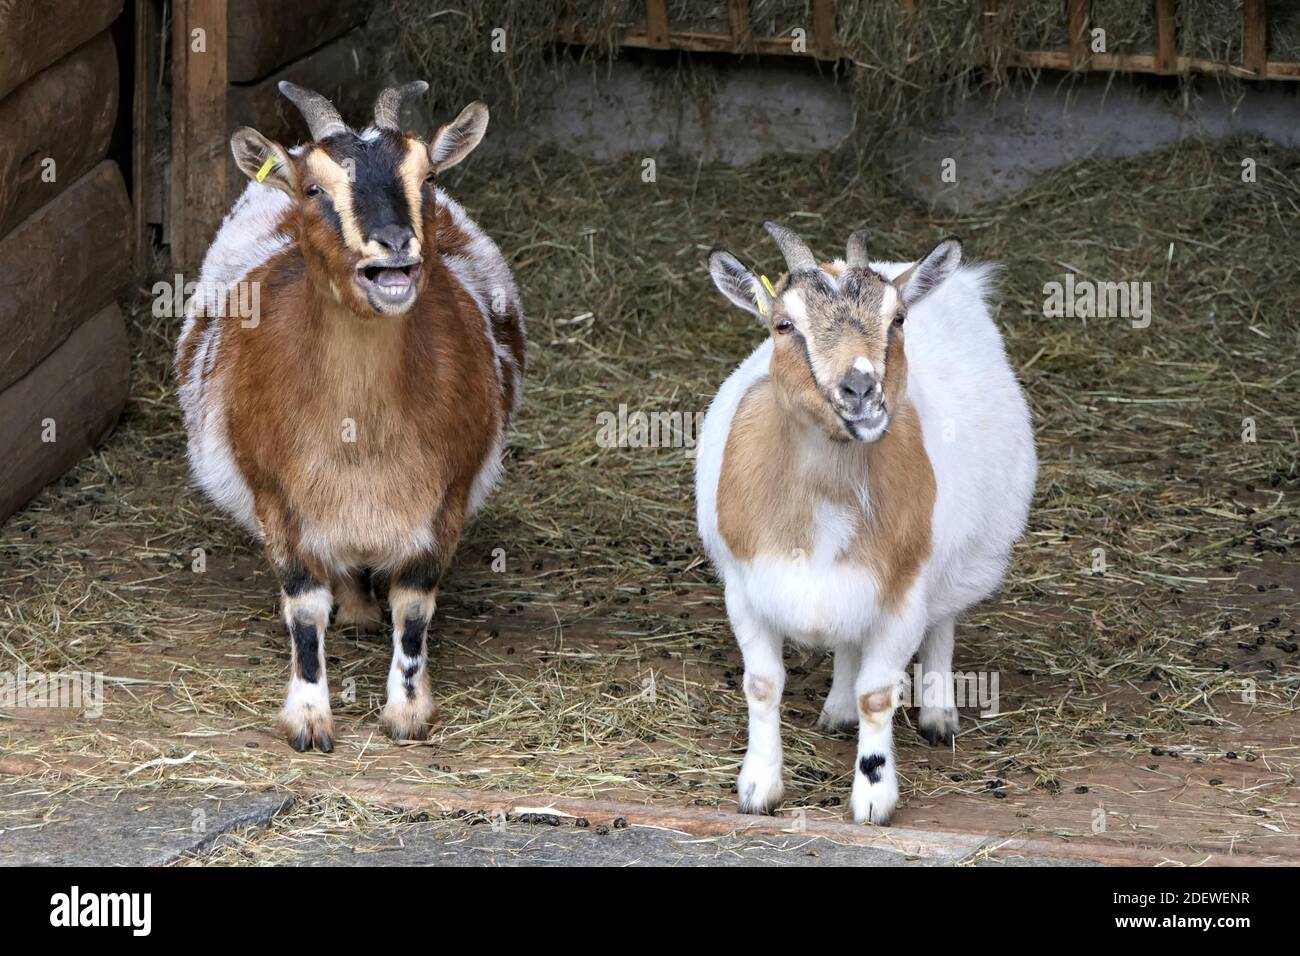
[767,284]
[266,168]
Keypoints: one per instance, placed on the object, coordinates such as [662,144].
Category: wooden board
[34,35]
[60,265]
[81,388]
[339,71]
[146,177]
[265,36]
[200,144]
[65,113]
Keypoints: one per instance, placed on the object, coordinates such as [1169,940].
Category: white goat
[857,496]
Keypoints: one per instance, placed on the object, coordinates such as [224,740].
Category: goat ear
[253,152]
[924,277]
[457,139]
[739,284]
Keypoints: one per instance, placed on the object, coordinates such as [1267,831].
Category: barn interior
[1145,639]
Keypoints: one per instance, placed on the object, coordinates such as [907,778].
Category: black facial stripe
[330,213]
[378,193]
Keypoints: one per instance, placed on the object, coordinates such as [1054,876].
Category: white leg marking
[409,706]
[937,719]
[841,708]
[759,786]
[306,717]
[879,686]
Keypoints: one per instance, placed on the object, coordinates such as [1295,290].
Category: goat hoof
[408,718]
[874,801]
[307,738]
[938,725]
[759,786]
[306,720]
[838,719]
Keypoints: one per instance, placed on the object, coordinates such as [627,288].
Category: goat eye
[784,326]
[429,179]
[898,319]
[312,190]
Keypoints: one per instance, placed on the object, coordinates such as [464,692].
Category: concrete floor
[159,828]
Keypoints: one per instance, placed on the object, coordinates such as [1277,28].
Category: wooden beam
[80,387]
[824,29]
[200,133]
[77,271]
[1078,27]
[35,35]
[1147,63]
[1254,37]
[656,24]
[691,41]
[65,116]
[1166,58]
[267,36]
[738,20]
[146,178]
[1036,59]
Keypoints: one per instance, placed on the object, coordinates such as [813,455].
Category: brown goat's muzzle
[390,284]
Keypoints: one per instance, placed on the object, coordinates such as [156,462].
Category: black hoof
[937,736]
[302,742]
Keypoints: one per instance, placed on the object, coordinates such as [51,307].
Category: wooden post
[824,29]
[1254,37]
[738,19]
[1166,38]
[200,136]
[656,23]
[1078,34]
[146,181]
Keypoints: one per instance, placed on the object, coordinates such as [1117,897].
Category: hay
[899,68]
[541,673]
[1130,27]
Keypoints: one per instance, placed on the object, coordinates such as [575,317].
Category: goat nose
[857,386]
[393,237]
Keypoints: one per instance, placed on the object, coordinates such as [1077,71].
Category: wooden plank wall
[65,246]
[248,47]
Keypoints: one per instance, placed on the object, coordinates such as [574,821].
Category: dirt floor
[1148,711]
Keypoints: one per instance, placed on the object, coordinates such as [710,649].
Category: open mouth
[388,282]
[868,423]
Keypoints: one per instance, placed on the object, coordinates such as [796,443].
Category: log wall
[65,242]
[250,45]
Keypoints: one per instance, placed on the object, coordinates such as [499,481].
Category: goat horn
[322,118]
[855,257]
[389,105]
[798,257]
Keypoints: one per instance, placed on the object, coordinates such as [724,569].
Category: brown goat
[355,417]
